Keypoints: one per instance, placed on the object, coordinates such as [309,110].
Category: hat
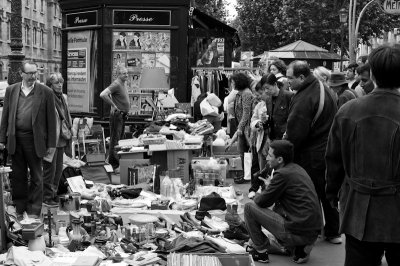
[337,79]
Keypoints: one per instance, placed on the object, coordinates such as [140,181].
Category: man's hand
[50,150]
[266,181]
[228,145]
[264,117]
[239,133]
[2,146]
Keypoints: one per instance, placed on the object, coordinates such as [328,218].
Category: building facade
[41,35]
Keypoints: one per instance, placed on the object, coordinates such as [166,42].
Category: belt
[374,190]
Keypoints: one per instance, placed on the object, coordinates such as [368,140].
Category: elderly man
[28,128]
[339,85]
[295,219]
[117,96]
[311,114]
[363,165]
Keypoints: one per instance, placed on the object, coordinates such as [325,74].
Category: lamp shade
[343,15]
[153,79]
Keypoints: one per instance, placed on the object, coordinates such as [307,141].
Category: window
[34,5]
[41,5]
[34,36]
[27,3]
[55,10]
[27,37]
[8,30]
[41,38]
[1,30]
[55,41]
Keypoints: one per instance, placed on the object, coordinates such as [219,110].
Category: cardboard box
[124,166]
[226,259]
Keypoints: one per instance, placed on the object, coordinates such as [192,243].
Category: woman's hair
[242,81]
[122,33]
[270,79]
[322,74]
[258,86]
[53,77]
[280,65]
[136,34]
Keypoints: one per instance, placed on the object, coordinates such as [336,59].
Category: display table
[167,159]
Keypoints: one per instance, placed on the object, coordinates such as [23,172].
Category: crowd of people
[318,136]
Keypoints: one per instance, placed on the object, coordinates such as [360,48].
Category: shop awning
[202,20]
[301,50]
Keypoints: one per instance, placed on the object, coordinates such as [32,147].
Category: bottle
[166,186]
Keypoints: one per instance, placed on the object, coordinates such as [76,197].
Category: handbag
[248,158]
[65,131]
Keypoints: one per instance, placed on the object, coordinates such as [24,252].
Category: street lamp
[343,20]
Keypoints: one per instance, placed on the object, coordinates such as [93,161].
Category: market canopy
[300,50]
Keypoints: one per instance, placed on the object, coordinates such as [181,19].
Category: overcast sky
[231,9]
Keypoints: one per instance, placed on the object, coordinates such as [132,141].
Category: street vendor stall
[158,41]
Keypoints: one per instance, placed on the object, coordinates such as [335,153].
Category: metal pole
[17,56]
[341,46]
[359,19]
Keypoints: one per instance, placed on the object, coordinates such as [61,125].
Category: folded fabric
[193,245]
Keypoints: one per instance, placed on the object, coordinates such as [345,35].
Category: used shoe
[334,240]
[236,233]
[50,203]
[251,195]
[302,254]
[260,257]
[240,180]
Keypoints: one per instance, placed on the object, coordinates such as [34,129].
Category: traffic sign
[391,7]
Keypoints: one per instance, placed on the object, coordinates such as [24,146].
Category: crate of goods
[152,139]
[209,172]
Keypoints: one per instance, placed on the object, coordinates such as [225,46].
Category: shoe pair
[240,180]
[237,233]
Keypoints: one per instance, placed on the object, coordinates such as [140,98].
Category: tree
[255,17]
[214,8]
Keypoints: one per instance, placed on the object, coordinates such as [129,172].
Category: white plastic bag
[207,109]
[247,165]
[214,100]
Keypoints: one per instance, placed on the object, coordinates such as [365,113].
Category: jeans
[256,217]
[370,253]
[52,174]
[27,194]
[117,127]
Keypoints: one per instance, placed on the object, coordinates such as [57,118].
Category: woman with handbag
[243,110]
[53,162]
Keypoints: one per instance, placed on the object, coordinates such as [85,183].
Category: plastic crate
[210,177]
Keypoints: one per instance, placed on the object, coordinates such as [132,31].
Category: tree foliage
[269,24]
[214,8]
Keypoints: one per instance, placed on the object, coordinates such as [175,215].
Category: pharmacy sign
[391,7]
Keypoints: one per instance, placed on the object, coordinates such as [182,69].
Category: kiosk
[158,41]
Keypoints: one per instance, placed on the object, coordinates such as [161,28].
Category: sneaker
[251,195]
[334,240]
[302,254]
[236,233]
[260,257]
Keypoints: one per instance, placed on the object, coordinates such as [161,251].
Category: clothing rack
[226,68]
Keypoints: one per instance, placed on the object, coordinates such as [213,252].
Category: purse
[65,131]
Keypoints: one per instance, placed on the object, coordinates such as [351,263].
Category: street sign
[391,7]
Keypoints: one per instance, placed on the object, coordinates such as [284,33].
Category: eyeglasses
[30,73]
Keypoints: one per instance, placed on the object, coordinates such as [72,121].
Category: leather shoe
[50,202]
[240,180]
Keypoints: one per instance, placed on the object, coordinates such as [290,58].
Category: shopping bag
[247,165]
[207,109]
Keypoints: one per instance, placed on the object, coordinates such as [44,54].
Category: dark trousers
[52,174]
[117,128]
[331,214]
[27,194]
[370,253]
[255,167]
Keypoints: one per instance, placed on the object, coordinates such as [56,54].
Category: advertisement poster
[245,59]
[137,50]
[210,52]
[81,70]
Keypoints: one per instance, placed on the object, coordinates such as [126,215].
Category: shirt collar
[27,88]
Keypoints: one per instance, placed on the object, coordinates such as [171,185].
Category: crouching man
[295,219]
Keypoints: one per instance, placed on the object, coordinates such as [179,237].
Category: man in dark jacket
[309,134]
[296,217]
[363,165]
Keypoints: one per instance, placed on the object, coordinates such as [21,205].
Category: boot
[232,217]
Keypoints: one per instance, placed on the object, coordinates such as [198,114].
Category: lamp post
[343,20]
[17,56]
